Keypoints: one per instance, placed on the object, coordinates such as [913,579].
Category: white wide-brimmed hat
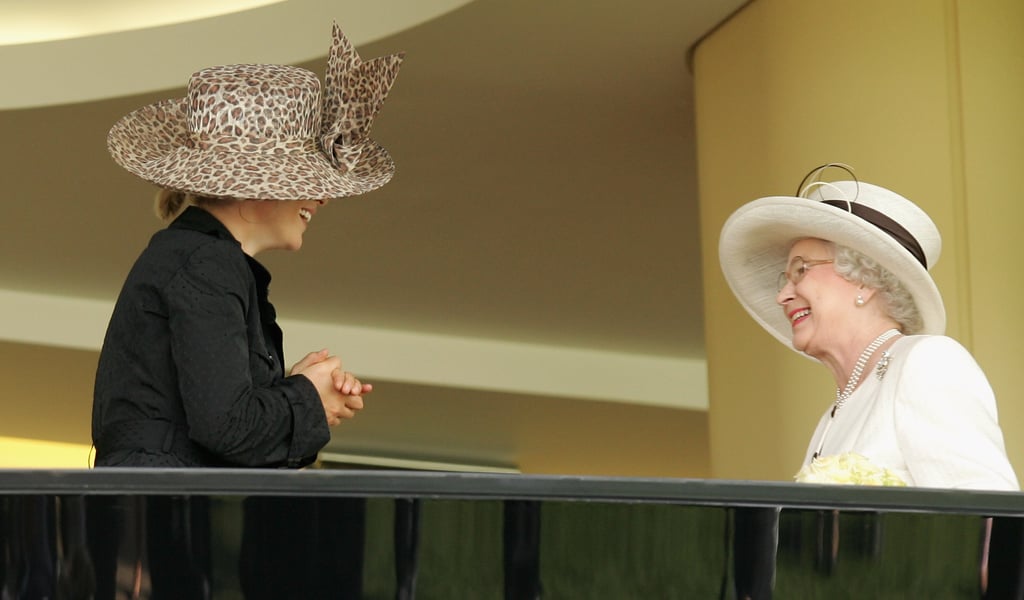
[265,132]
[755,242]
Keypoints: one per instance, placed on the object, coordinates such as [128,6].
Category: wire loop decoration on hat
[801,190]
[876,218]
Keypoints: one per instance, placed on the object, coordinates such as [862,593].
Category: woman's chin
[810,350]
[291,245]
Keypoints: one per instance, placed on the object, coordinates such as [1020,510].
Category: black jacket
[191,371]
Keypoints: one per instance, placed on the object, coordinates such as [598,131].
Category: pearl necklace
[851,384]
[843,395]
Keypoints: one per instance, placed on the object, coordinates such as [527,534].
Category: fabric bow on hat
[354,91]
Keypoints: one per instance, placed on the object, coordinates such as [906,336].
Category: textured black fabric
[152,443]
[193,342]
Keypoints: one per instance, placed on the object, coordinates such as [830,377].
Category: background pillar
[918,96]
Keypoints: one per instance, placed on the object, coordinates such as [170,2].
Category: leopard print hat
[265,131]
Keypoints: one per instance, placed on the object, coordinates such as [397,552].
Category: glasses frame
[797,270]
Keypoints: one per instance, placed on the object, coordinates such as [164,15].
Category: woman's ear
[865,294]
[256,212]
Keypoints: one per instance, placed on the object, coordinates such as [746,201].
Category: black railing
[134,533]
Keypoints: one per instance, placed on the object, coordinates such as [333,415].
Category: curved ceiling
[66,51]
[67,19]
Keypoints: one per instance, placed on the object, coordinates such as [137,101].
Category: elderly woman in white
[840,274]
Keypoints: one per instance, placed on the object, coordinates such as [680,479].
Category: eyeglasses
[796,271]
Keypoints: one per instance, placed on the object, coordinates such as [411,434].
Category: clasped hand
[340,391]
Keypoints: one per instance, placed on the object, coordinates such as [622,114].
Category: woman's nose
[785,295]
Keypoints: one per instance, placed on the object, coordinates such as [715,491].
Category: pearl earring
[860,300]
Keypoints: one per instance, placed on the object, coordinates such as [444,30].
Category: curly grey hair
[859,268]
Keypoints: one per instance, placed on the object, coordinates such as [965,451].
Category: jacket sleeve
[237,403]
[945,415]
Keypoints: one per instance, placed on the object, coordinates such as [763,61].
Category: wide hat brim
[154,143]
[754,248]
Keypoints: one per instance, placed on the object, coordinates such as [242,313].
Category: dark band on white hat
[881,221]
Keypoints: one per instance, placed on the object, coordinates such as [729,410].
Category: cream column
[991,61]
[909,93]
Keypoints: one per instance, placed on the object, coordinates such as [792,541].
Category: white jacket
[930,418]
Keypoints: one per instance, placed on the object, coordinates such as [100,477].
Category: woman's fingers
[309,360]
[347,383]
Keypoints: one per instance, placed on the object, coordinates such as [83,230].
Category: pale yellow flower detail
[847,469]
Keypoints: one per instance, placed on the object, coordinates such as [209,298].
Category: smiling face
[280,224]
[818,305]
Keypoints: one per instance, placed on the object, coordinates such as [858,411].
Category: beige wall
[920,96]
[991,56]
[547,435]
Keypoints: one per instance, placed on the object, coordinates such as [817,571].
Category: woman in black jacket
[191,373]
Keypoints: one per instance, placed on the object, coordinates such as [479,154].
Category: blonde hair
[170,203]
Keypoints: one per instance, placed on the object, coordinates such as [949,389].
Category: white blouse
[929,417]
